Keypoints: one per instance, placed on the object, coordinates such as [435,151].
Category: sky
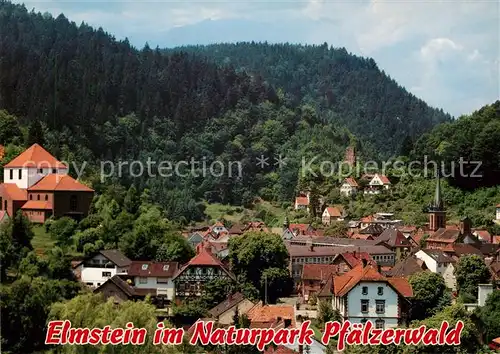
[445,52]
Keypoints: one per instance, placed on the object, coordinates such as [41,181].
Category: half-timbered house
[201,269]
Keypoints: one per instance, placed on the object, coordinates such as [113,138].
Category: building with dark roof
[101,266]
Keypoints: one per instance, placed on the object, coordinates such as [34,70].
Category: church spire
[438,203]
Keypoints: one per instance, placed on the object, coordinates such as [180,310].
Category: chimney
[363,261]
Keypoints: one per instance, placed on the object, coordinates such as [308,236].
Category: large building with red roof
[364,294]
[39,185]
[200,270]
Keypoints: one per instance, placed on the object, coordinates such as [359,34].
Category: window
[20,172]
[106,274]
[380,290]
[162,280]
[11,174]
[73,203]
[31,196]
[165,267]
[40,170]
[1,203]
[46,197]
[380,306]
[144,267]
[38,197]
[5,204]
[379,324]
[364,305]
[54,170]
[89,284]
[143,280]
[365,290]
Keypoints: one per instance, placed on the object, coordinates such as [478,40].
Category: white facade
[94,275]
[361,303]
[498,213]
[347,190]
[446,270]
[163,285]
[26,177]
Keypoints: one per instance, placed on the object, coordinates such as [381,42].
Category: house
[224,312]
[313,277]
[154,278]
[302,202]
[272,316]
[439,262]
[372,229]
[256,226]
[348,260]
[116,288]
[313,253]
[377,184]
[101,266]
[31,166]
[349,188]
[364,294]
[38,184]
[3,216]
[396,242]
[357,236]
[195,239]
[495,344]
[443,237]
[407,267]
[201,269]
[57,195]
[498,213]
[331,214]
[281,349]
[218,227]
[302,229]
[483,290]
[483,235]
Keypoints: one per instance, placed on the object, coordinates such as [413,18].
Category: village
[363,276]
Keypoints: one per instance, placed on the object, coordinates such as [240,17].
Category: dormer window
[165,267]
[144,267]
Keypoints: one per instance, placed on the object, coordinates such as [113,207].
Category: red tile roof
[362,236]
[13,192]
[300,227]
[384,179]
[483,234]
[368,218]
[37,157]
[58,182]
[353,259]
[153,269]
[301,201]
[334,211]
[344,283]
[37,205]
[261,314]
[318,271]
[352,182]
[498,205]
[205,258]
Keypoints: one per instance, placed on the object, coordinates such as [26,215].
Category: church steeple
[438,203]
[437,214]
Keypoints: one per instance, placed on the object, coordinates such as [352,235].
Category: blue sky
[445,52]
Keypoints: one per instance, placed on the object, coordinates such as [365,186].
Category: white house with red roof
[377,184]
[331,214]
[349,187]
[218,228]
[31,166]
[364,294]
[38,184]
[155,277]
[201,269]
[302,202]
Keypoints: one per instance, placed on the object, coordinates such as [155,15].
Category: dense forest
[88,98]
[348,90]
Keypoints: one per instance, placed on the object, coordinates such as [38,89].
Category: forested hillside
[347,89]
[87,97]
